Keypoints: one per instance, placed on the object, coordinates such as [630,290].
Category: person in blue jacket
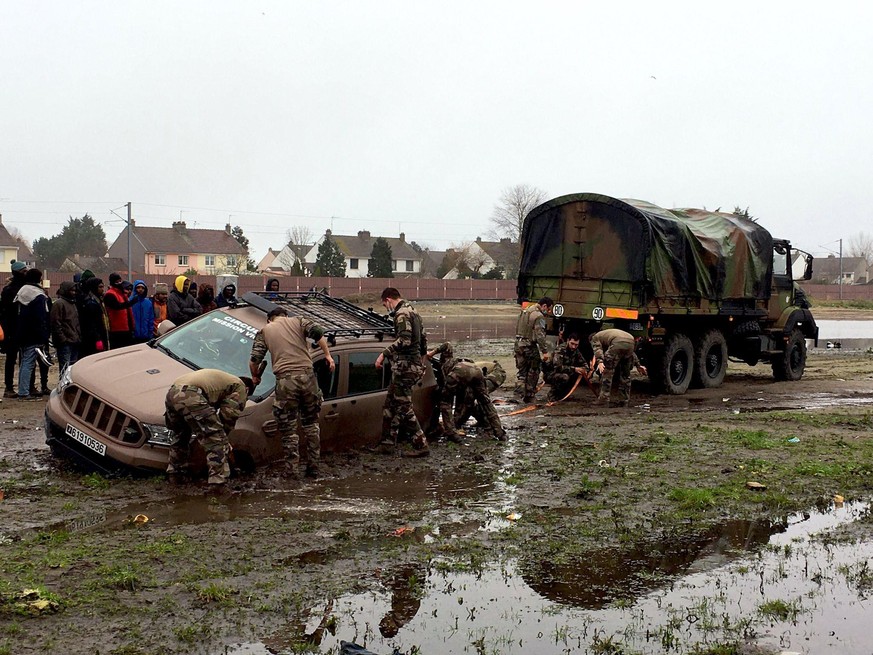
[143,313]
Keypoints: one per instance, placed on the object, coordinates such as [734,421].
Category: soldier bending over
[461,375]
[191,406]
[614,358]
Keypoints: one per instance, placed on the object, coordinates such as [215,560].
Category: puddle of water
[347,499]
[632,598]
[460,328]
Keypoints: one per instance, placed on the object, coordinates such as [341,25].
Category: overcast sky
[413,116]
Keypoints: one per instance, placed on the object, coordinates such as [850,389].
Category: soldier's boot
[601,401]
[419,446]
[291,470]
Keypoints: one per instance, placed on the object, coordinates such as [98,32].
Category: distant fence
[422,288]
[340,287]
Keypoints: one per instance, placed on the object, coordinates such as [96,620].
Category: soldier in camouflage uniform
[407,369]
[614,358]
[467,406]
[191,406]
[461,376]
[563,369]
[530,346]
[298,396]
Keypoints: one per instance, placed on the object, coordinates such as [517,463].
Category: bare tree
[16,234]
[861,245]
[299,239]
[507,218]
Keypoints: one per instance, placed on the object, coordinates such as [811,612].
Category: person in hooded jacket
[206,298]
[143,313]
[272,287]
[181,305]
[159,304]
[8,321]
[118,303]
[228,297]
[93,321]
[65,328]
[33,329]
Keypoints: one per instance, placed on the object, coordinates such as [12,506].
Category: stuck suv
[107,411]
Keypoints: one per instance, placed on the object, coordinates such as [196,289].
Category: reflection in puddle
[630,597]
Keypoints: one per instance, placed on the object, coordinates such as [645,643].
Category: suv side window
[327,381]
[364,377]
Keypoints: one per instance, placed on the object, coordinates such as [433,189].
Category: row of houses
[479,256]
[177,249]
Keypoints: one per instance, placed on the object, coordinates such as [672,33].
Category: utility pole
[129,230]
[841,269]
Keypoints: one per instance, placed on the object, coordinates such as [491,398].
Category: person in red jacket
[118,303]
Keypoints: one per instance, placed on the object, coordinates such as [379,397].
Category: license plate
[86,440]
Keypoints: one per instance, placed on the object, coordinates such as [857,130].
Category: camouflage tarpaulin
[670,252]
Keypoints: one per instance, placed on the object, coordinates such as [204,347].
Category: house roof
[6,239]
[361,246]
[25,254]
[503,252]
[182,239]
[830,266]
[78,264]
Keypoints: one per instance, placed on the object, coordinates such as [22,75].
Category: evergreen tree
[245,260]
[380,259]
[330,261]
[80,236]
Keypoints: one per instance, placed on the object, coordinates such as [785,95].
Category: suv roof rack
[338,317]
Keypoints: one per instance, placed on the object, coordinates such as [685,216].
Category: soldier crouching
[564,369]
[462,376]
[203,406]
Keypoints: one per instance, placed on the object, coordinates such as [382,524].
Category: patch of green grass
[95,481]
[121,577]
[823,469]
[215,593]
[192,633]
[692,499]
[779,610]
[753,439]
[172,545]
[586,488]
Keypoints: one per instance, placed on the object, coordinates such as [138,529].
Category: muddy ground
[262,567]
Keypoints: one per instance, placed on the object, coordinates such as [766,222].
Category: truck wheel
[710,360]
[675,370]
[791,363]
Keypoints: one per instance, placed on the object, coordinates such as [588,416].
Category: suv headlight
[66,379]
[160,435]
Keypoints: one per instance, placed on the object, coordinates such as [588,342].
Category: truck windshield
[217,340]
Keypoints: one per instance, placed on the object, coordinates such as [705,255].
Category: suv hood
[134,380]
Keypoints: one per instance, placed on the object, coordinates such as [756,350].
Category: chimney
[132,223]
[363,234]
[1,219]
[227,229]
[403,237]
[327,232]
[478,239]
[180,227]
[506,241]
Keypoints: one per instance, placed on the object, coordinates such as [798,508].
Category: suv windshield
[217,340]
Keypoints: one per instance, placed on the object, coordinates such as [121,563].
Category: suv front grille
[102,417]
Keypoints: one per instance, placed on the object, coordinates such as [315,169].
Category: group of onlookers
[86,318]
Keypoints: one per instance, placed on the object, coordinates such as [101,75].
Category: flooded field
[730,520]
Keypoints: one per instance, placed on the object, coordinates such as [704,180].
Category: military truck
[694,287]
